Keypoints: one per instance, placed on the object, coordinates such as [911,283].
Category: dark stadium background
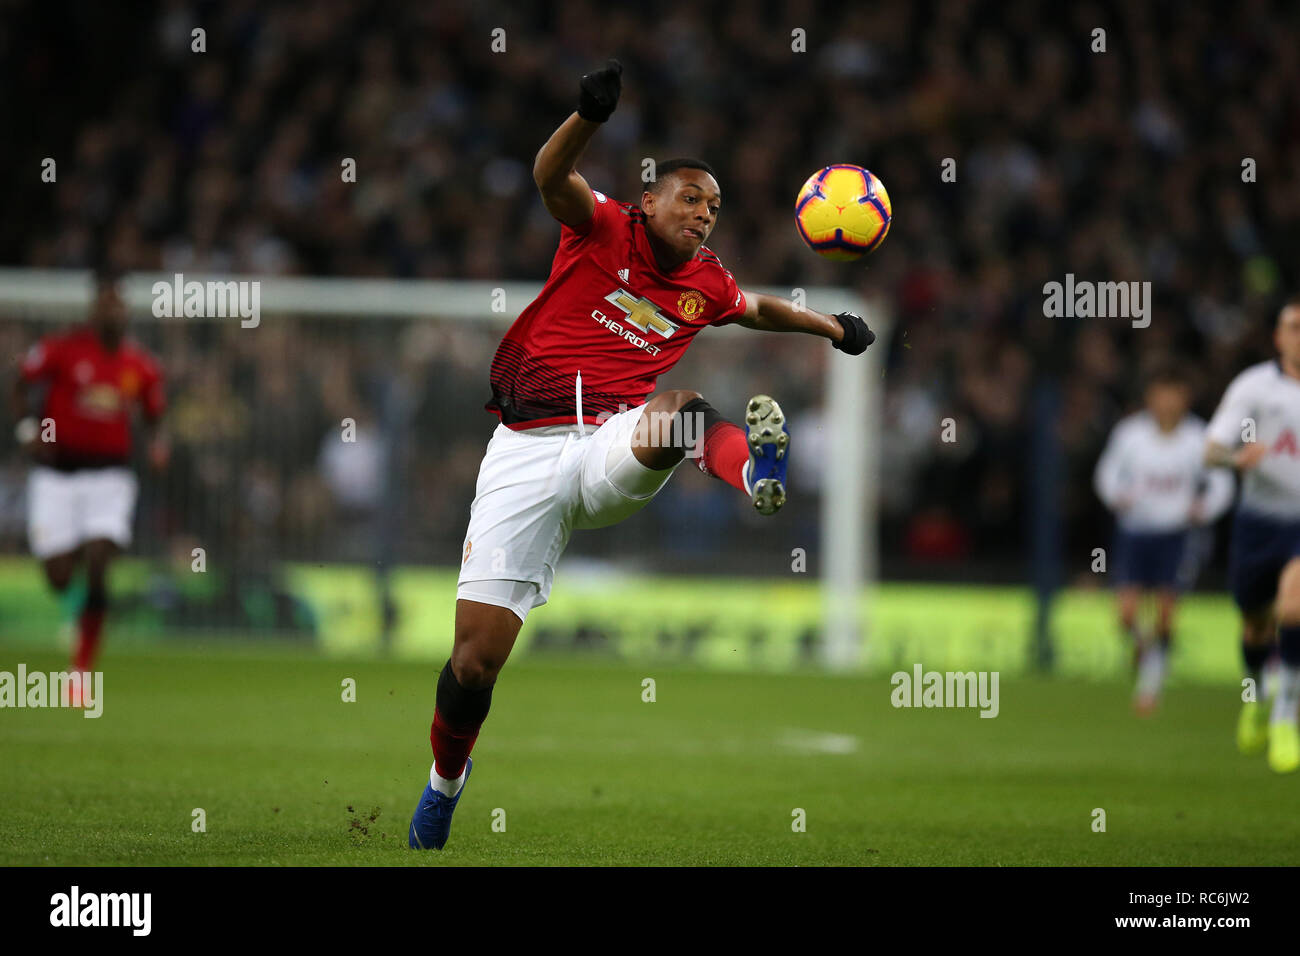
[1123,165]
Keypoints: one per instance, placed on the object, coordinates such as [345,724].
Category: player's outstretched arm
[565,193]
[27,429]
[1216,496]
[18,399]
[1218,456]
[1107,476]
[771,313]
[1242,459]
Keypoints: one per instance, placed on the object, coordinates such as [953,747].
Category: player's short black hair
[107,275]
[1167,371]
[669,166]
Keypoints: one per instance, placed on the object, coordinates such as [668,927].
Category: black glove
[856,334]
[599,92]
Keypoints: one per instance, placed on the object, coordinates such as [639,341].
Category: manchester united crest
[690,305]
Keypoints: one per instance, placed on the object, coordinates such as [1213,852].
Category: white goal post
[853,405]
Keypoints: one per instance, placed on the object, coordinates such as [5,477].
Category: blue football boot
[769,440]
[431,824]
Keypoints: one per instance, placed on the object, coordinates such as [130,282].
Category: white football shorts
[534,488]
[65,509]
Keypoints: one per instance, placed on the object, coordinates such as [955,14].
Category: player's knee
[1288,596]
[673,400]
[59,575]
[1127,607]
[1288,608]
[99,553]
[1165,613]
[475,671]
[1257,629]
[476,665]
[679,427]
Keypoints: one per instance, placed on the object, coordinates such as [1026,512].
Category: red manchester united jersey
[607,323]
[91,395]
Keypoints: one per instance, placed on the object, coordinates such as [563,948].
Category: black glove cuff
[856,334]
[593,111]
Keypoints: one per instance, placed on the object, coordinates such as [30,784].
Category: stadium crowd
[1173,156]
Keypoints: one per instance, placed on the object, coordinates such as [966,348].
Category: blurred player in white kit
[1256,430]
[1153,477]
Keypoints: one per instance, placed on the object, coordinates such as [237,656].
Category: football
[843,212]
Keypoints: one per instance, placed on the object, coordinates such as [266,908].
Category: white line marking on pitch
[818,742]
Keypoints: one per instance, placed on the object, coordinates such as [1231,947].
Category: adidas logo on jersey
[622,274]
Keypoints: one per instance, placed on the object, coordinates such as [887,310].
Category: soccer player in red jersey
[81,493]
[582,442]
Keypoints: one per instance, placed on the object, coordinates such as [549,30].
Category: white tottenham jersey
[1161,474]
[1264,398]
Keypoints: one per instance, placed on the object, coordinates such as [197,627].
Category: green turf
[588,773]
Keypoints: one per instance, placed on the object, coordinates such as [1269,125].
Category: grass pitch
[580,770]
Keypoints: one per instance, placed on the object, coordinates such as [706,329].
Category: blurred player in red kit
[81,492]
[582,442]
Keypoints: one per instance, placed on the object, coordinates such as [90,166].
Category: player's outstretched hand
[600,91]
[856,334]
[27,434]
[1249,456]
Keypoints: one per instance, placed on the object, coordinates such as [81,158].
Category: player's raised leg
[1153,664]
[1283,732]
[671,423]
[55,507]
[1128,600]
[485,635]
[1258,633]
[59,570]
[99,555]
[752,459]
[106,505]
[769,443]
[1254,570]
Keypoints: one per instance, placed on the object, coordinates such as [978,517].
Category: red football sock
[451,746]
[92,625]
[725,452]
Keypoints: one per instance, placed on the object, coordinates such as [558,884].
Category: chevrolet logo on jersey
[641,313]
